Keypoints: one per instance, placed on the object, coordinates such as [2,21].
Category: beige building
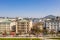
[12,25]
[23,26]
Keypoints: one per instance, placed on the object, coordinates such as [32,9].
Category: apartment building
[4,25]
[23,26]
[13,25]
[52,24]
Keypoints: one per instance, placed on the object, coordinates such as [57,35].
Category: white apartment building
[52,24]
[4,25]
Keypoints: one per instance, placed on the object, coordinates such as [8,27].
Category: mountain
[50,16]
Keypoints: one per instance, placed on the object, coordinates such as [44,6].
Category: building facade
[20,26]
[23,26]
[52,24]
[4,25]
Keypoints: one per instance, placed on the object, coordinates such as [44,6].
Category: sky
[29,8]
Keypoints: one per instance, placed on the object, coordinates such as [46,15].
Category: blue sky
[29,8]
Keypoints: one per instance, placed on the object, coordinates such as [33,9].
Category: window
[23,27]
[22,23]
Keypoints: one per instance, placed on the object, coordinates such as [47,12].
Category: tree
[45,31]
[36,31]
[52,32]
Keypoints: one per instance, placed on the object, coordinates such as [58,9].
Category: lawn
[19,39]
[55,38]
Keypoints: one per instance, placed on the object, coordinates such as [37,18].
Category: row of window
[4,23]
[52,23]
